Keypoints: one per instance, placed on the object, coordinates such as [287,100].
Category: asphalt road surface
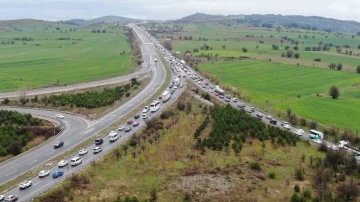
[42,154]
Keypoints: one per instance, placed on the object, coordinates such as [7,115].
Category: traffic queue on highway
[67,166]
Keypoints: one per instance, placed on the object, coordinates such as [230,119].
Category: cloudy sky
[173,9]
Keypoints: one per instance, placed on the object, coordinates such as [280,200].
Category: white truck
[219,90]
[176,82]
[165,96]
[113,136]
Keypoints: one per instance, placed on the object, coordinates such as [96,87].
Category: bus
[313,134]
[154,106]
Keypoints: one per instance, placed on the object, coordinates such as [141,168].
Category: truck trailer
[165,96]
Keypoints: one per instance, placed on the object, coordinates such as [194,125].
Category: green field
[276,86]
[235,38]
[84,57]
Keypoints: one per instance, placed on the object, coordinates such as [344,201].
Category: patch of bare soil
[204,187]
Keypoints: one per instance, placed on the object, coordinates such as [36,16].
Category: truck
[219,90]
[176,82]
[165,96]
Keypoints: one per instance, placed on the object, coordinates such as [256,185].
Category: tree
[358,69]
[125,148]
[334,92]
[15,148]
[332,65]
[133,153]
[349,191]
[168,45]
[297,55]
[339,66]
[275,47]
[117,154]
[180,37]
[223,46]
[244,50]
[289,53]
[296,48]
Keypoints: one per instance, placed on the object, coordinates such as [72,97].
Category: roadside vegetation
[61,54]
[90,102]
[164,163]
[19,132]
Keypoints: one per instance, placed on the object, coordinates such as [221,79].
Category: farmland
[276,86]
[59,56]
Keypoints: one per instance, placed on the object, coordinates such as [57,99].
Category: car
[11,198]
[146,109]
[129,122]
[284,122]
[75,161]
[252,109]
[136,116]
[241,106]
[248,110]
[211,87]
[206,83]
[83,151]
[227,99]
[144,116]
[98,141]
[269,117]
[259,115]
[181,85]
[58,144]
[57,174]
[333,147]
[228,96]
[211,90]
[44,173]
[287,126]
[216,94]
[221,96]
[63,163]
[175,87]
[135,123]
[60,116]
[2,197]
[235,99]
[128,129]
[299,132]
[121,128]
[25,184]
[273,121]
[97,150]
[199,82]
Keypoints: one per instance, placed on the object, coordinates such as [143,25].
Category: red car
[216,94]
[130,122]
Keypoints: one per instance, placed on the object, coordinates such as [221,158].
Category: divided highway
[46,152]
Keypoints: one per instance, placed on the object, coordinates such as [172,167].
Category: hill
[105,19]
[295,21]
[32,25]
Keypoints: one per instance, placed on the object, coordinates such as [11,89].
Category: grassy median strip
[32,173]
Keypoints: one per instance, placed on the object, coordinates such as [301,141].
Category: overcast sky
[173,9]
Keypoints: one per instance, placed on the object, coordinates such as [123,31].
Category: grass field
[276,86]
[86,56]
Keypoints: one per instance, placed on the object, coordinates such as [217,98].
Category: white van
[113,136]
[75,161]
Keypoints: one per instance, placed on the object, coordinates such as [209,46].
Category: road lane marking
[11,173]
[32,162]
[50,153]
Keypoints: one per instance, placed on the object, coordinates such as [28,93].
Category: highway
[47,151]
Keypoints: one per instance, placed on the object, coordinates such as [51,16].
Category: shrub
[297,188]
[272,175]
[255,166]
[299,174]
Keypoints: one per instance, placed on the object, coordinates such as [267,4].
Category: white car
[300,132]
[63,163]
[146,109]
[2,197]
[83,151]
[235,99]
[97,150]
[144,116]
[11,198]
[25,184]
[60,116]
[287,126]
[44,173]
[268,117]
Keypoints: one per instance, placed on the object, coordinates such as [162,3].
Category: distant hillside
[105,19]
[32,25]
[297,21]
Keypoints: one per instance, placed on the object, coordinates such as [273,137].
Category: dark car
[57,174]
[241,106]
[136,116]
[59,144]
[272,121]
[130,122]
[99,141]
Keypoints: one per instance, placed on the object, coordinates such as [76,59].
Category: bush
[272,175]
[334,92]
[317,59]
[297,188]
[255,166]
[299,174]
